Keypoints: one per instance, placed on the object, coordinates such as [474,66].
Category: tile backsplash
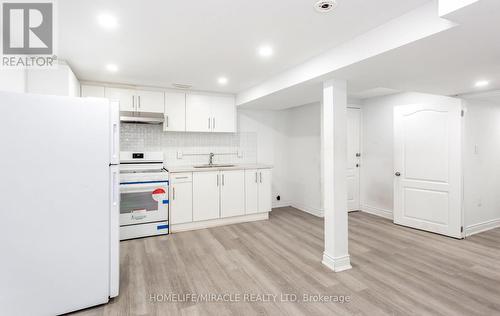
[180,148]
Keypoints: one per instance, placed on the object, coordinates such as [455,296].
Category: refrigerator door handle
[114,232]
[115,132]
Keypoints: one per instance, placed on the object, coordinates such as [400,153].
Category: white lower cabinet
[258,191]
[232,193]
[265,193]
[211,195]
[181,199]
[206,195]
[251,191]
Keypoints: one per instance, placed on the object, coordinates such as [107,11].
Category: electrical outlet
[240,153]
[179,155]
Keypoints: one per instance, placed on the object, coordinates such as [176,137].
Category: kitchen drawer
[181,177]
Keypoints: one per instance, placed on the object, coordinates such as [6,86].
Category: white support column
[334,166]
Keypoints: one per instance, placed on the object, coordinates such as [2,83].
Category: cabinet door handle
[173,193]
[256,177]
[217,180]
[208,123]
[214,122]
[139,99]
[222,179]
[167,120]
[261,177]
[133,102]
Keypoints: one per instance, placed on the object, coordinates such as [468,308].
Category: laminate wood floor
[396,270]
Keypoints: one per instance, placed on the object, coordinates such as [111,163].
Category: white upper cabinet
[183,112]
[223,114]
[132,100]
[126,97]
[150,101]
[175,112]
[208,113]
[198,115]
[92,91]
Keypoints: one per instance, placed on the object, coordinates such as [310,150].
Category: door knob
[398,174]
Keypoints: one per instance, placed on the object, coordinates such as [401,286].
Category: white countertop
[191,168]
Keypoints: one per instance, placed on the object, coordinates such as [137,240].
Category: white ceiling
[194,42]
[448,63]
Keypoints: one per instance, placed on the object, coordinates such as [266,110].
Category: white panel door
[150,101]
[353,157]
[206,195]
[223,113]
[198,117]
[427,163]
[181,202]
[232,193]
[265,190]
[126,98]
[251,191]
[175,112]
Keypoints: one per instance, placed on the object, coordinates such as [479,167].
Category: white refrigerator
[59,203]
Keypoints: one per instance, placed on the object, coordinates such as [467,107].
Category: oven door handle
[142,188]
[138,215]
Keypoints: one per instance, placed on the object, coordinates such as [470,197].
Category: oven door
[143,202]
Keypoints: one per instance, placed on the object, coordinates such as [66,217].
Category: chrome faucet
[211,159]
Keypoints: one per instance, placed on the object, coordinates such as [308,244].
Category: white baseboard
[281,204]
[311,210]
[337,264]
[175,228]
[377,211]
[482,227]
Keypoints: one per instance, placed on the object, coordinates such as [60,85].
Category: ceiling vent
[181,86]
[325,5]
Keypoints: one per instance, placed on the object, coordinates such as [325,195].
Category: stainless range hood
[142,118]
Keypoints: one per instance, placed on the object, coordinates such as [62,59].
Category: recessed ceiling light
[222,80]
[112,67]
[325,5]
[482,83]
[266,51]
[107,21]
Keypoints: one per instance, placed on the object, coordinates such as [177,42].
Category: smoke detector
[325,5]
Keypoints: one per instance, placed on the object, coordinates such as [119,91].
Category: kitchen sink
[214,166]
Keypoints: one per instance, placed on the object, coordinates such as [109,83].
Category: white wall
[290,141]
[272,140]
[304,159]
[482,165]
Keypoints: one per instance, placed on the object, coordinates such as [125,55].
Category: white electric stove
[144,195]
